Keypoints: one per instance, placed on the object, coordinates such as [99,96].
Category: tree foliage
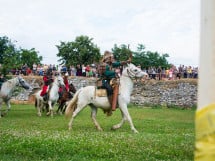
[148,59]
[30,57]
[11,57]
[80,51]
[121,53]
[141,57]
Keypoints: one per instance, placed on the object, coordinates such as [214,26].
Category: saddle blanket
[101,92]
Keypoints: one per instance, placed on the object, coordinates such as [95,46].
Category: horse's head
[59,81]
[133,72]
[23,83]
[72,88]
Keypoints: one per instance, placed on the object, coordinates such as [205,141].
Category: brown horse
[66,96]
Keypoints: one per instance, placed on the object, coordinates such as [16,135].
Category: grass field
[164,134]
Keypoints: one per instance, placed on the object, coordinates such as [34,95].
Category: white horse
[86,96]
[52,98]
[8,88]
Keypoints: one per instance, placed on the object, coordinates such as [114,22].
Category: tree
[11,57]
[80,51]
[148,58]
[139,57]
[30,57]
[121,53]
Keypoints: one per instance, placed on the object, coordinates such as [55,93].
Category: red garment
[45,79]
[87,68]
[45,86]
[60,90]
[66,82]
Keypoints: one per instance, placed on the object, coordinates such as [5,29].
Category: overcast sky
[165,26]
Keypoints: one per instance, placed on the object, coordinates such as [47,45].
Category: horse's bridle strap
[132,75]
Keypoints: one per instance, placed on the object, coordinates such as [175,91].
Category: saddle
[113,83]
[101,92]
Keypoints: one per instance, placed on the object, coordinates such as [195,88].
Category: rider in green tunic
[109,73]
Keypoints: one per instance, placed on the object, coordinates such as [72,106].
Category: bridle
[58,83]
[132,75]
[20,81]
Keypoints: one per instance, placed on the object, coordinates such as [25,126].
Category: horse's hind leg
[38,106]
[80,106]
[93,116]
[64,107]
[59,108]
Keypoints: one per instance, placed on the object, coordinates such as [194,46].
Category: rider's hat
[106,56]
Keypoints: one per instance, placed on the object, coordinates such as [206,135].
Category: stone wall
[181,93]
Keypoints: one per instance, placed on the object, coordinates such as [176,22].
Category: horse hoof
[100,129]
[3,114]
[48,113]
[112,128]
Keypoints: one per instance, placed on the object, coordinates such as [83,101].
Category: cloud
[165,26]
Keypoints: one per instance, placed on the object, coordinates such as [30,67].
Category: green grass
[164,134]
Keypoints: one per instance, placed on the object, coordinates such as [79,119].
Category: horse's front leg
[119,125]
[50,109]
[60,107]
[8,107]
[125,115]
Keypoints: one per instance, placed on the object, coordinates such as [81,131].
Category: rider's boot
[45,97]
[110,99]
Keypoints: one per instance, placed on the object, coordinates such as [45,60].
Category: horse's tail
[72,104]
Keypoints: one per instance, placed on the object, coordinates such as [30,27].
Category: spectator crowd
[91,70]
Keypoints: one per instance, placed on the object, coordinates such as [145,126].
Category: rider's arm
[116,64]
[109,73]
